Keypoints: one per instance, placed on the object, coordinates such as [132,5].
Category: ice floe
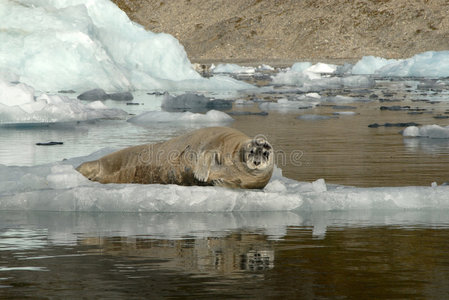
[313,117]
[59,187]
[212,117]
[19,105]
[194,103]
[233,68]
[80,45]
[427,64]
[318,77]
[429,131]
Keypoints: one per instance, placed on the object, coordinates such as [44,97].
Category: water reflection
[328,255]
[427,145]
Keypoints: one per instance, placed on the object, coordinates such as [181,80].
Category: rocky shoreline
[284,31]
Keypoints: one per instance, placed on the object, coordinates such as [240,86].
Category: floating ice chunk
[241,102]
[430,131]
[311,117]
[300,67]
[193,102]
[15,93]
[322,68]
[345,113]
[358,81]
[426,64]
[265,67]
[233,68]
[314,81]
[313,95]
[341,99]
[47,108]
[370,64]
[180,118]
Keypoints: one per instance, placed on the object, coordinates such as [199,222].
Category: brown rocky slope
[289,30]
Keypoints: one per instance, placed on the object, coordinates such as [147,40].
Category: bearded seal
[217,156]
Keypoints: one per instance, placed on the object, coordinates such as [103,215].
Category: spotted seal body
[218,156]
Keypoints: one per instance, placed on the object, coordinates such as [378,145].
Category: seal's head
[258,154]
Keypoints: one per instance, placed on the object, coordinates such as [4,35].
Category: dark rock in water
[92,95]
[441,117]
[156,93]
[132,103]
[122,96]
[343,107]
[100,94]
[373,96]
[219,104]
[67,92]
[186,102]
[49,144]
[194,103]
[386,94]
[388,100]
[248,113]
[395,108]
[405,124]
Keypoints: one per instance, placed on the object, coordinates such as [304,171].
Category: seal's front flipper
[201,170]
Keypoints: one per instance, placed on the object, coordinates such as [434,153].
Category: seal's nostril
[257,163]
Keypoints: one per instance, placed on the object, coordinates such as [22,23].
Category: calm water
[328,255]
[333,255]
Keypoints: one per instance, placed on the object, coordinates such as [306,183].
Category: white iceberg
[322,68]
[318,77]
[427,64]
[370,64]
[429,131]
[18,105]
[233,68]
[212,117]
[81,45]
[300,67]
[59,187]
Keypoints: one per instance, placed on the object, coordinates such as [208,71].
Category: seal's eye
[252,151]
[266,154]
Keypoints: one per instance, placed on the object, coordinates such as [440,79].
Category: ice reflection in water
[374,254]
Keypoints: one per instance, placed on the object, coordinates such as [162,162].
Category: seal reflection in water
[218,156]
